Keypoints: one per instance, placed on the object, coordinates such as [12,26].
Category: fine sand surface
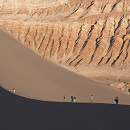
[34,77]
[18,113]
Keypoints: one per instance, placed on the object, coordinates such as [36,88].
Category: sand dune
[36,78]
[87,37]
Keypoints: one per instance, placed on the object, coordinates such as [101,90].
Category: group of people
[74,99]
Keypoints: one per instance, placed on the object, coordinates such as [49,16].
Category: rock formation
[91,37]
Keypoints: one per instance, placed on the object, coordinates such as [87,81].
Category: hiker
[117,99]
[75,98]
[71,98]
[64,98]
[91,98]
[14,90]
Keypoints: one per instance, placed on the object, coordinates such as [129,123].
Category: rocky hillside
[91,37]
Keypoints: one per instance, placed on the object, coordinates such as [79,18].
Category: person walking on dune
[64,98]
[72,99]
[91,98]
[14,90]
[75,98]
[117,99]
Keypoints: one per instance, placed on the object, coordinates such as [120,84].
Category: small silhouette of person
[75,98]
[72,99]
[14,90]
[116,99]
[64,98]
[91,98]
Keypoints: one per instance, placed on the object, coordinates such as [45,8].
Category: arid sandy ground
[90,37]
[34,77]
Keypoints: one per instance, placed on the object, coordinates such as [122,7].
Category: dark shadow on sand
[18,113]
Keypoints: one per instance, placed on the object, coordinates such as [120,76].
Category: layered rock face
[91,37]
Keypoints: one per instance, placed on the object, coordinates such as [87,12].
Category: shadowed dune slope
[34,77]
[17,113]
